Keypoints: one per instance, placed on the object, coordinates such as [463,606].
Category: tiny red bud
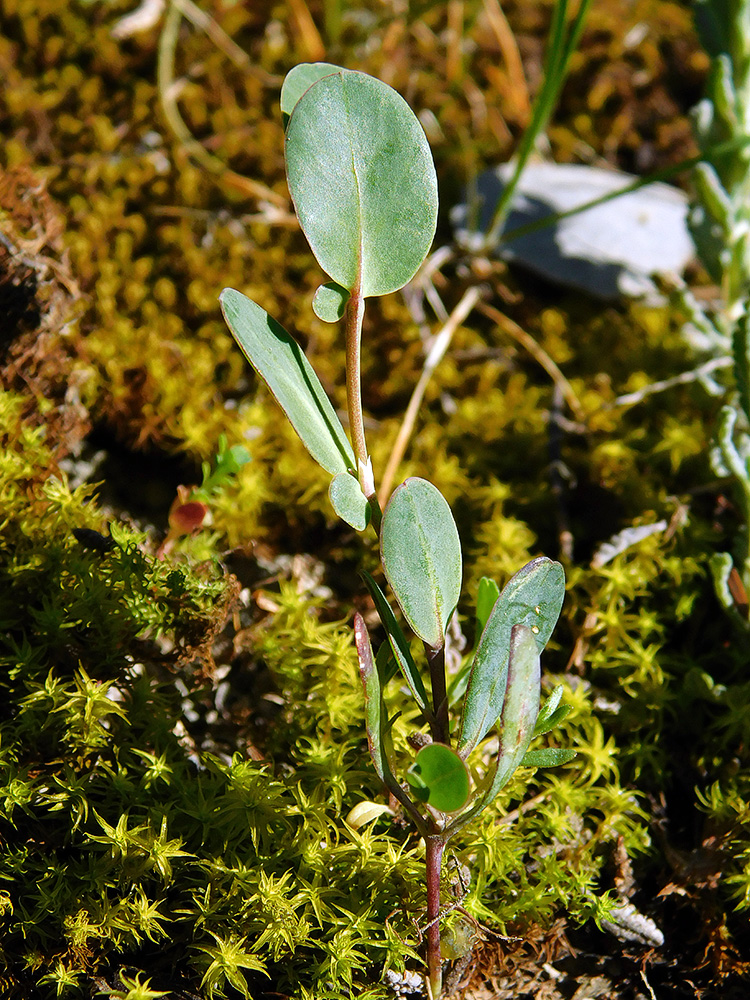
[187,517]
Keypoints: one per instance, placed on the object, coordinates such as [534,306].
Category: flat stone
[607,251]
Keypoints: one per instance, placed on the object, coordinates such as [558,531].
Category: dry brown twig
[435,355]
[169,89]
[507,325]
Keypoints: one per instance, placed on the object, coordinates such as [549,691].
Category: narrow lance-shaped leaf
[362,180]
[552,713]
[421,554]
[399,645]
[376,720]
[520,707]
[280,362]
[487,596]
[386,663]
[519,715]
[547,757]
[550,716]
[549,708]
[374,708]
[486,600]
[532,597]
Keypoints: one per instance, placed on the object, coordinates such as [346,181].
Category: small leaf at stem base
[349,501]
[439,777]
[329,302]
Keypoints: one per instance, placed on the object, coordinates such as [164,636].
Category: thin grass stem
[436,353]
[559,51]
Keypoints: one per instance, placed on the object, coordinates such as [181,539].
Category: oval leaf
[532,597]
[439,777]
[297,81]
[329,302]
[281,363]
[421,554]
[349,501]
[362,180]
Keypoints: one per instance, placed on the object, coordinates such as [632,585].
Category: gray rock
[607,251]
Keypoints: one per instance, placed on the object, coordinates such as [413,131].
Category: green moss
[127,844]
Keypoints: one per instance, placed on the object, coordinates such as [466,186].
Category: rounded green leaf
[329,302]
[421,554]
[349,501]
[439,777]
[362,179]
[298,80]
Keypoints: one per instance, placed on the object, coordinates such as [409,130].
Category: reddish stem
[435,845]
[355,311]
[436,661]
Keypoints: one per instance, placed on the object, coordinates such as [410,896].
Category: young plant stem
[435,845]
[436,661]
[355,314]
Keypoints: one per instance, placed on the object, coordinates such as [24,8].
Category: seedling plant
[364,188]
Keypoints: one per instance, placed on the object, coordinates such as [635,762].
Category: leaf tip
[364,649]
